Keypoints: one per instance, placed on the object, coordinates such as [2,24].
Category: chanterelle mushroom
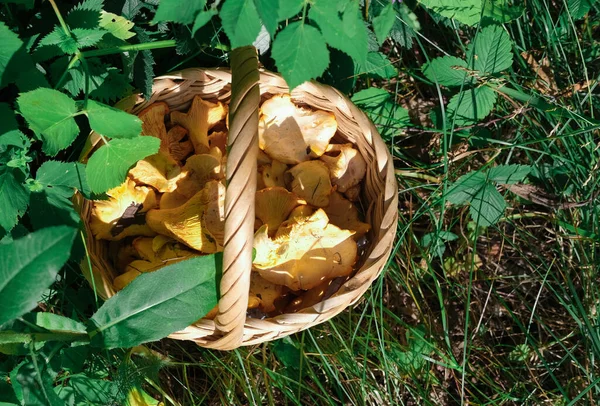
[347,167]
[179,149]
[198,170]
[119,216]
[153,122]
[292,134]
[274,205]
[305,252]
[311,182]
[344,214]
[185,223]
[272,174]
[266,292]
[159,171]
[201,117]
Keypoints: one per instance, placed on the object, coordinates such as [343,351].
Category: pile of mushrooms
[171,206]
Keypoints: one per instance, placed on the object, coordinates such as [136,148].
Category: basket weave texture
[232,328]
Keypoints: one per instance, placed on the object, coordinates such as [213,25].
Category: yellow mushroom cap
[346,166]
[353,193]
[160,171]
[153,122]
[177,148]
[344,214]
[266,292]
[311,182]
[292,134]
[118,217]
[301,211]
[201,117]
[305,252]
[214,215]
[185,223]
[273,206]
[218,139]
[272,174]
[198,170]
[125,279]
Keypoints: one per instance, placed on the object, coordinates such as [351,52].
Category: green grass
[508,315]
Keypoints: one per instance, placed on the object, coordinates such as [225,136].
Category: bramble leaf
[492,52]
[183,12]
[49,114]
[63,174]
[269,14]
[377,65]
[509,174]
[471,105]
[448,71]
[58,37]
[578,8]
[29,265]
[503,11]
[487,206]
[289,8]
[241,22]
[14,198]
[466,187]
[300,53]
[158,303]
[348,33]
[87,37]
[202,19]
[466,11]
[379,106]
[117,25]
[383,23]
[111,122]
[108,166]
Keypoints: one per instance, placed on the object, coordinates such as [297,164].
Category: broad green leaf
[378,66]
[111,122]
[117,25]
[471,105]
[383,23]
[448,71]
[509,174]
[96,391]
[8,121]
[436,241]
[73,358]
[466,187]
[59,38]
[50,113]
[108,166]
[502,11]
[578,8]
[202,19]
[413,360]
[29,265]
[240,22]
[406,25]
[347,32]
[14,198]
[269,14]
[300,53]
[52,206]
[9,55]
[158,303]
[466,11]
[177,11]
[379,106]
[55,323]
[487,206]
[87,37]
[67,174]
[33,385]
[289,8]
[492,52]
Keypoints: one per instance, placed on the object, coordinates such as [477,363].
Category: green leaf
[58,37]
[492,52]
[86,37]
[28,266]
[66,174]
[579,8]
[447,71]
[509,174]
[383,23]
[14,198]
[143,70]
[300,53]
[378,66]
[289,8]
[381,109]
[118,26]
[240,22]
[471,105]
[502,11]
[8,121]
[55,323]
[177,11]
[406,25]
[111,122]
[466,187]
[269,14]
[348,33]
[50,113]
[9,54]
[158,303]
[487,206]
[202,19]
[466,11]
[52,207]
[96,391]
[34,385]
[108,166]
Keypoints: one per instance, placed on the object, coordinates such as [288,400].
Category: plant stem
[11,336]
[133,47]
[69,66]
[64,26]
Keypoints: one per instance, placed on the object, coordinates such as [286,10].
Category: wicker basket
[243,90]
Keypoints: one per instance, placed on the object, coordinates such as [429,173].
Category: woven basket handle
[239,197]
